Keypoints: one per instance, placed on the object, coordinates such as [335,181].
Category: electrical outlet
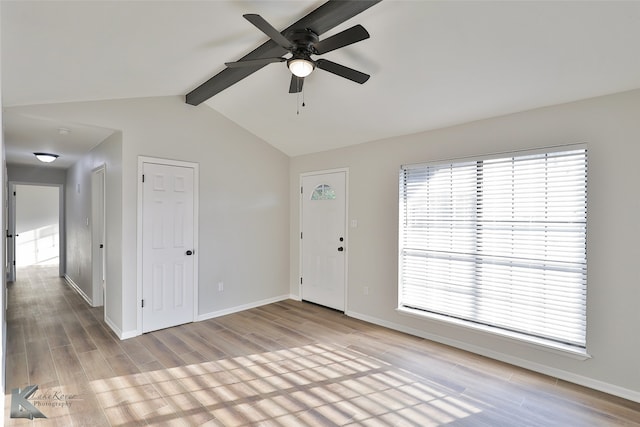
[220,286]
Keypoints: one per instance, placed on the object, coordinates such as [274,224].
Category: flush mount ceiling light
[46,157]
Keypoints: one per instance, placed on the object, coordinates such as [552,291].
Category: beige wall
[610,127]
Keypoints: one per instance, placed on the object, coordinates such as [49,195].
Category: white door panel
[323,239]
[168,245]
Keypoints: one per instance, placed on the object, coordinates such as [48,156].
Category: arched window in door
[323,192]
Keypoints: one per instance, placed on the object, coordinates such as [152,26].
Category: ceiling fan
[302,43]
[301,40]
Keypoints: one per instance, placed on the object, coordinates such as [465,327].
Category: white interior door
[167,246]
[97,236]
[323,239]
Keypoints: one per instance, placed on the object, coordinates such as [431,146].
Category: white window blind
[498,242]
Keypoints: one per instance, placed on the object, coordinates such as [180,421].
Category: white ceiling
[433,64]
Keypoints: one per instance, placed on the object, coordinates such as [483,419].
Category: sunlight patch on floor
[314,383]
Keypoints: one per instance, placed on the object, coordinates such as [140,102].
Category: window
[323,192]
[499,242]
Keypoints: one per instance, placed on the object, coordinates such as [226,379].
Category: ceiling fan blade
[342,39]
[342,71]
[254,62]
[324,18]
[266,28]
[296,84]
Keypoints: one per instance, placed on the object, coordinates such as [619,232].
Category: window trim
[576,352]
[530,341]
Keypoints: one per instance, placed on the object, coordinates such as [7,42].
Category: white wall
[78,203]
[610,127]
[244,200]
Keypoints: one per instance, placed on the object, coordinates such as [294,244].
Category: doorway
[98,255]
[323,238]
[167,254]
[35,227]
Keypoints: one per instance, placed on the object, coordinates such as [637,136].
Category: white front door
[167,246]
[323,239]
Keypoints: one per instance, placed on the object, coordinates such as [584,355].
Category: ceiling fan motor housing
[303,41]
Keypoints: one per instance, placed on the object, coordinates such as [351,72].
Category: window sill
[538,343]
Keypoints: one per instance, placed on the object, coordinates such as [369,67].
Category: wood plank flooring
[283,364]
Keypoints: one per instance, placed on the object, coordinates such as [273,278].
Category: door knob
[189,252]
[340,249]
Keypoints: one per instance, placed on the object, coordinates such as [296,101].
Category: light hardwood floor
[284,364]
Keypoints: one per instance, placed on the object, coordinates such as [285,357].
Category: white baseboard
[128,334]
[118,331]
[78,290]
[113,326]
[243,307]
[605,387]
[295,297]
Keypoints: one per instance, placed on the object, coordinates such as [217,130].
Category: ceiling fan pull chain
[303,97]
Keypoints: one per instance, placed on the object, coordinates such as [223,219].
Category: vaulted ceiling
[432,64]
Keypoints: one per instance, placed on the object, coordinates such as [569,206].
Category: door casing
[98,235]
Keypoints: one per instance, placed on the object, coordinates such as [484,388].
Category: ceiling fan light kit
[301,40]
[300,67]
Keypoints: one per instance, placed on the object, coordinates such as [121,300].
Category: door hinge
[14,193]
[301,280]
[142,177]
[301,192]
[142,303]
[14,262]
[301,234]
